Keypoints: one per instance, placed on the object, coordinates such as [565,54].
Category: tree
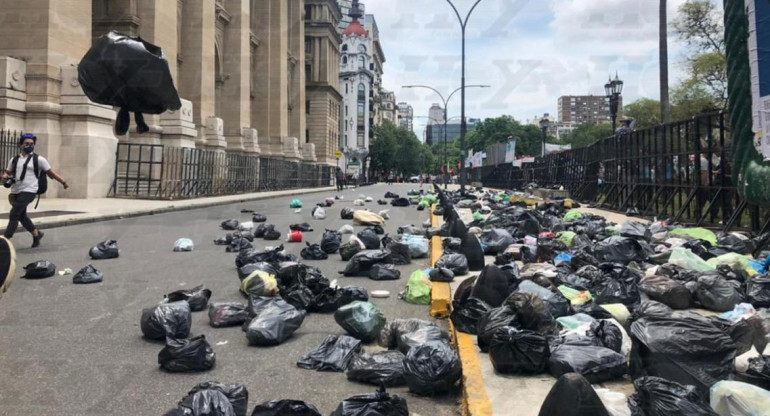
[452,153]
[588,134]
[700,25]
[646,111]
[383,148]
[500,130]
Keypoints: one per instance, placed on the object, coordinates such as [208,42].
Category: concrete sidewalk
[60,212]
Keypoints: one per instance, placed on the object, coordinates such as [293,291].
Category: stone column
[178,127]
[13,94]
[251,141]
[87,154]
[196,71]
[119,15]
[276,78]
[236,103]
[296,35]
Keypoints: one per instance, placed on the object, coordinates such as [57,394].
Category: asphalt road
[70,349]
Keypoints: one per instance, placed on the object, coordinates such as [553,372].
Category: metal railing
[160,172]
[680,171]
[9,145]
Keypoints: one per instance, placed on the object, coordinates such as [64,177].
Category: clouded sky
[529,51]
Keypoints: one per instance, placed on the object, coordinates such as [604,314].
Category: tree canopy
[529,138]
[396,149]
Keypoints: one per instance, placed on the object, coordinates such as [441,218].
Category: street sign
[337,155]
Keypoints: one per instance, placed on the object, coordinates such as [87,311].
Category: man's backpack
[42,178]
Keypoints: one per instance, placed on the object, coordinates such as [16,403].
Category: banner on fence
[556,148]
[476,160]
[510,151]
[759,50]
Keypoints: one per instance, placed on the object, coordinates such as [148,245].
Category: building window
[308,12]
[344,48]
[362,48]
[361,62]
[360,138]
[308,44]
[307,106]
[307,136]
[361,100]
[308,73]
[344,60]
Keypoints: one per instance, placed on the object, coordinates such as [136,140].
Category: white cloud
[530,51]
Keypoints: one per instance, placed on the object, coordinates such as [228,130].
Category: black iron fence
[9,145]
[680,171]
[161,172]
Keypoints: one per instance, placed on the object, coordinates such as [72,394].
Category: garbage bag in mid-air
[129,73]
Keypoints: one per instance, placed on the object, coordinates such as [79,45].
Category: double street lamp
[545,124]
[463,126]
[613,88]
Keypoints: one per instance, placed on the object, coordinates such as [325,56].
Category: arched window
[361,62]
[344,48]
[344,60]
[362,48]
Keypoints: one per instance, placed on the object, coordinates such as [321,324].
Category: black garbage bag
[105,250]
[326,301]
[734,244]
[574,281]
[717,293]
[350,294]
[347,213]
[593,310]
[383,271]
[608,333]
[386,368]
[361,263]
[596,364]
[657,396]
[666,291]
[431,368]
[236,394]
[581,258]
[88,274]
[635,230]
[493,320]
[239,244]
[223,241]
[261,229]
[304,227]
[548,249]
[440,274]
[400,202]
[299,296]
[471,249]
[167,320]
[572,395]
[230,225]
[362,320]
[198,297]
[688,350]
[349,249]
[741,332]
[258,256]
[514,351]
[369,238]
[285,408]
[258,218]
[760,367]
[391,332]
[206,402]
[331,241]
[187,355]
[334,354]
[275,324]
[451,244]
[455,262]
[531,312]
[272,234]
[492,286]
[619,250]
[619,284]
[130,73]
[378,229]
[391,195]
[466,316]
[313,252]
[497,240]
[409,340]
[557,304]
[375,404]
[226,314]
[581,242]
[399,253]
[248,269]
[651,308]
[759,292]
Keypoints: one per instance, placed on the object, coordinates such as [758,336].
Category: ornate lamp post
[545,124]
[613,88]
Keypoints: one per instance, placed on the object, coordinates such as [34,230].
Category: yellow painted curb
[475,401]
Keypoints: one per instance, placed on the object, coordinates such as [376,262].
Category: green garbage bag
[699,233]
[575,297]
[566,237]
[418,289]
[735,261]
[295,203]
[506,198]
[430,198]
[573,215]
[424,203]
[612,230]
[686,259]
[477,216]
[360,319]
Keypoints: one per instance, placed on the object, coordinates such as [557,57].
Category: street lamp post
[446,104]
[463,125]
[544,125]
[613,88]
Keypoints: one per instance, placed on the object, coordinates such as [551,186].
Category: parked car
[414,179]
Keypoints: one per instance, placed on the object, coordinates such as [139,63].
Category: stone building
[322,52]
[386,108]
[406,116]
[239,67]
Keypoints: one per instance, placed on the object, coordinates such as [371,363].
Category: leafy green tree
[588,134]
[646,111]
[500,129]
[382,149]
[452,154]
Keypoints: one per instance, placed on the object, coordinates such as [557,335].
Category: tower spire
[355,10]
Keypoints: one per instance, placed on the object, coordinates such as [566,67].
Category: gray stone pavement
[78,350]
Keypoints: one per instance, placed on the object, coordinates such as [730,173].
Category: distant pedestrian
[339,178]
[355,179]
[22,176]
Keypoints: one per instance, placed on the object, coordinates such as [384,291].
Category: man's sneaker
[36,239]
[7,264]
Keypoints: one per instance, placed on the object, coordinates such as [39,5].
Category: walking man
[340,179]
[22,176]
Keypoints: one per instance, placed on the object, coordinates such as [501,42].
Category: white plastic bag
[346,229]
[319,213]
[733,398]
[358,202]
[357,240]
[246,226]
[183,244]
[368,199]
[615,402]
[384,214]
